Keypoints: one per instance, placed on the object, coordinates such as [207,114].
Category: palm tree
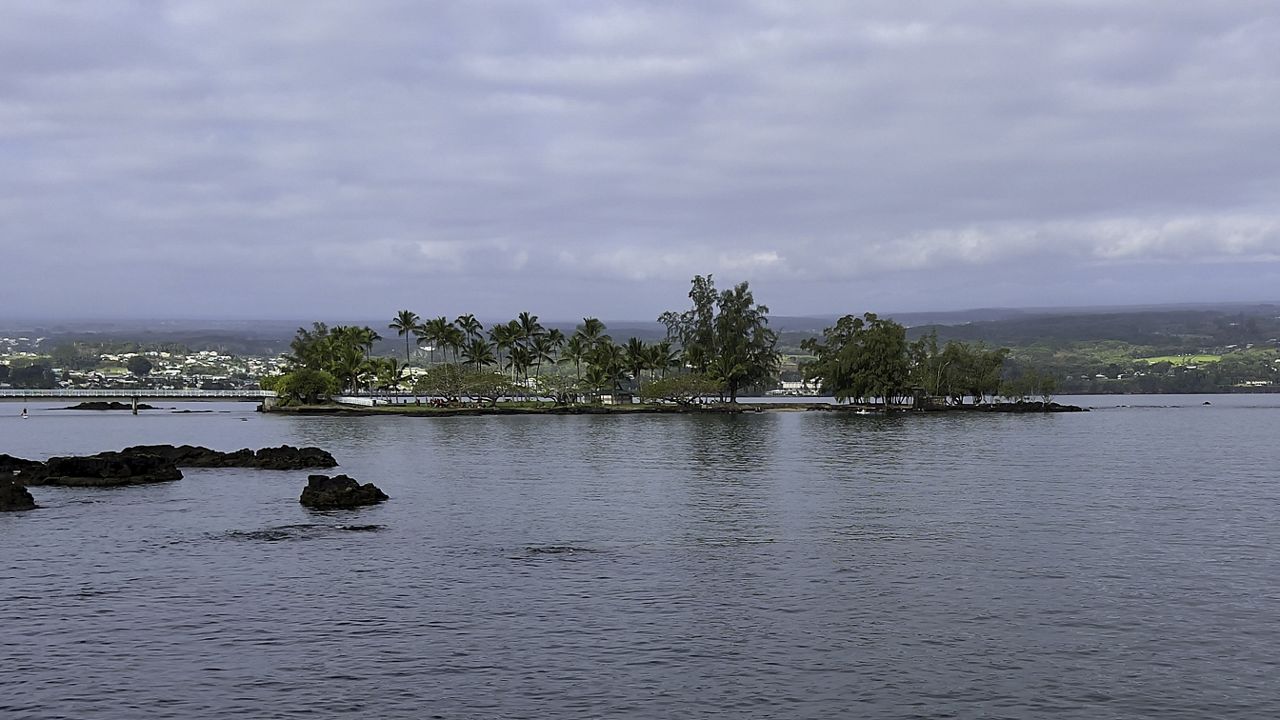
[361,338]
[519,358]
[662,357]
[366,336]
[347,362]
[309,348]
[607,357]
[530,328]
[389,373]
[435,331]
[478,353]
[454,338]
[591,330]
[575,350]
[469,325]
[502,338]
[404,324]
[556,338]
[636,359]
[542,349]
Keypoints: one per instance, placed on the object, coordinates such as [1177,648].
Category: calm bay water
[1115,564]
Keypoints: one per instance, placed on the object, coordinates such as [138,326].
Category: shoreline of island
[426,410]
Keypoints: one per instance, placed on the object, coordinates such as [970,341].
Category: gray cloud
[336,158]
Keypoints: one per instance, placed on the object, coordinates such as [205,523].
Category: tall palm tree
[435,331]
[663,357]
[556,338]
[502,338]
[542,349]
[519,358]
[530,328]
[591,330]
[636,359]
[575,351]
[454,339]
[470,325]
[366,337]
[405,324]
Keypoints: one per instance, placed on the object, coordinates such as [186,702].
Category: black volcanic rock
[196,456]
[329,493]
[284,457]
[105,405]
[14,497]
[11,464]
[109,469]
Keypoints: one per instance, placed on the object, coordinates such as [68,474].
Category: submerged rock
[14,497]
[108,469]
[327,493]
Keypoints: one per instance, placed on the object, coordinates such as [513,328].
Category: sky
[328,159]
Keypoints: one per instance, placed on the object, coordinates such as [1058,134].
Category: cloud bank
[317,158]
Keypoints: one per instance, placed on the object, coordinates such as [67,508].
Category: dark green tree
[306,386]
[140,366]
[726,336]
[33,376]
[861,358]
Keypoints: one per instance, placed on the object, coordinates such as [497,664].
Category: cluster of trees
[523,348]
[868,358]
[326,360]
[725,337]
[31,376]
[719,347]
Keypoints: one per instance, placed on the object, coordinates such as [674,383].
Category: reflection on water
[806,564]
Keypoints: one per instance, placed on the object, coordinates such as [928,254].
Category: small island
[108,405]
[715,356]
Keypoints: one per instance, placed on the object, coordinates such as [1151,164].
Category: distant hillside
[1172,330]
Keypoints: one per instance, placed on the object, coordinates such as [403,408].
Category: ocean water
[1122,563]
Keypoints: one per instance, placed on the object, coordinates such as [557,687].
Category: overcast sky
[339,159]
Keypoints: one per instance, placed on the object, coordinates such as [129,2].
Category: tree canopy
[869,358]
[861,358]
[725,336]
[139,365]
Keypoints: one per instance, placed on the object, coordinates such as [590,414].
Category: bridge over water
[136,394]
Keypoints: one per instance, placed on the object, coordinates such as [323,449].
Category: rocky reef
[108,469]
[143,464]
[285,457]
[332,493]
